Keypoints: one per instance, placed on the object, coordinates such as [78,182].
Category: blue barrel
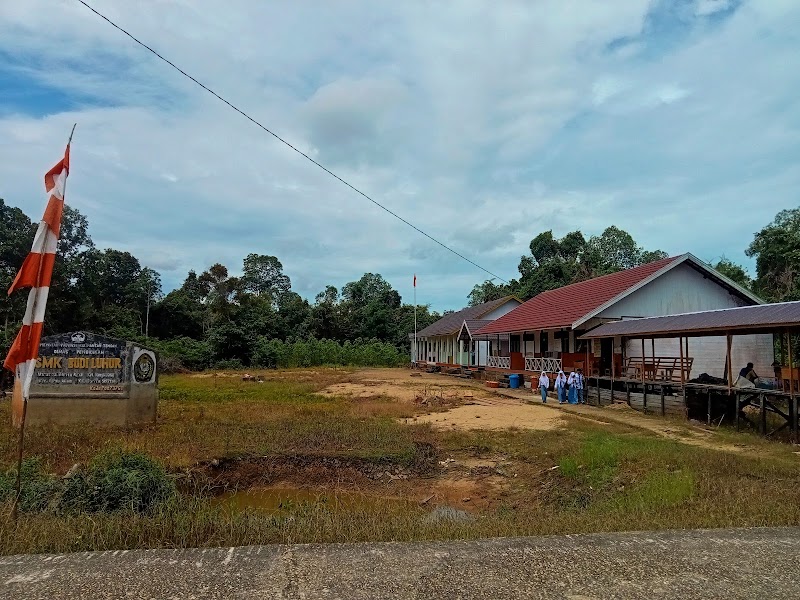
[513,380]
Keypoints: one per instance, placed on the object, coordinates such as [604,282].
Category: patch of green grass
[657,491]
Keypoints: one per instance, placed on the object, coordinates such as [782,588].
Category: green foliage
[38,487]
[554,263]
[217,317]
[273,353]
[734,272]
[114,481]
[777,251]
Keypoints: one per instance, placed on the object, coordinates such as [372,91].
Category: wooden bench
[658,368]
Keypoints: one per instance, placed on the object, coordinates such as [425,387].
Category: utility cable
[283,141]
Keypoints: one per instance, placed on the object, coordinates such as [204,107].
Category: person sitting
[748,373]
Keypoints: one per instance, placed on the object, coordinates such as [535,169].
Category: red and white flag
[36,272]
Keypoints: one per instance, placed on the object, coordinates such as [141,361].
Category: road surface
[728,564]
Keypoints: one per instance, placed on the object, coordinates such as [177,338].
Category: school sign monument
[81,376]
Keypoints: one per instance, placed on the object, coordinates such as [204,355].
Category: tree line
[218,319]
[556,262]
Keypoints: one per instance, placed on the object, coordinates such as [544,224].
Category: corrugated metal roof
[764,318]
[475,324]
[451,324]
[563,306]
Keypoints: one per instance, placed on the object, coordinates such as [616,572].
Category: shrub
[114,481]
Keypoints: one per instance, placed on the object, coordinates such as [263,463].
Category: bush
[38,488]
[119,480]
[272,353]
[114,481]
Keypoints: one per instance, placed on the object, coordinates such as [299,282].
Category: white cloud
[483,123]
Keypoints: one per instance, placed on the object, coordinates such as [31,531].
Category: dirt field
[316,455]
[460,404]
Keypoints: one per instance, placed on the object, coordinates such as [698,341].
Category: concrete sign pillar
[85,377]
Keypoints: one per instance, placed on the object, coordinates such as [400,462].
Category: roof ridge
[666,261]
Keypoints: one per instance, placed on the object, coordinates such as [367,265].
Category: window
[543,342]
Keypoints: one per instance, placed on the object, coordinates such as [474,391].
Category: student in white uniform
[544,385]
[560,385]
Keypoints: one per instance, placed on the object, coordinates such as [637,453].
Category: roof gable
[451,324]
[574,304]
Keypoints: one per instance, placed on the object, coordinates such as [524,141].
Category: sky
[483,123]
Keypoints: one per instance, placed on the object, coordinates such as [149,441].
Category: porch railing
[551,365]
[499,362]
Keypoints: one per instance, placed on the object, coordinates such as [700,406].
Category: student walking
[560,386]
[579,386]
[544,385]
[572,394]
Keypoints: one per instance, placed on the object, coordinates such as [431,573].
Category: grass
[581,478]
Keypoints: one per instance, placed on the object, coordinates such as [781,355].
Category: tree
[150,282]
[263,276]
[734,272]
[217,290]
[16,235]
[613,250]
[488,291]
[777,251]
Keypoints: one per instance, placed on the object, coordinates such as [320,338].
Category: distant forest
[218,320]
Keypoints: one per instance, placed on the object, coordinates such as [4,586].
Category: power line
[283,141]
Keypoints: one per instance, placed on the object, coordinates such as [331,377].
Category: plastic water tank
[513,380]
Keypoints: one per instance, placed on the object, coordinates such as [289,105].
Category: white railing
[551,365]
[499,362]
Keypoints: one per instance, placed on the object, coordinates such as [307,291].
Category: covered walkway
[664,379]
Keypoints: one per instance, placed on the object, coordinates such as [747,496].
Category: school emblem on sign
[144,368]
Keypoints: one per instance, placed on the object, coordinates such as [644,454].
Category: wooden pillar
[792,397]
[683,379]
[736,405]
[644,385]
[598,392]
[730,367]
[730,382]
[613,371]
[663,408]
[763,414]
[588,374]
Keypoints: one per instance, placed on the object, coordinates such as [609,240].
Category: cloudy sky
[483,123]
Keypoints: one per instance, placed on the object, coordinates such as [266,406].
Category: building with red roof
[543,333]
[439,342]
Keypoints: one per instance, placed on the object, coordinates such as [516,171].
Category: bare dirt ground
[474,406]
[471,405]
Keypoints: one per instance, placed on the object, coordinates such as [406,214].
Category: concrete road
[729,564]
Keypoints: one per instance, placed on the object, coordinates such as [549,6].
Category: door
[606,355]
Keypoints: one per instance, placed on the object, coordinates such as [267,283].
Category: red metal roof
[563,306]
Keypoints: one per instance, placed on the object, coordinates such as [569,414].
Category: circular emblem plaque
[143,368]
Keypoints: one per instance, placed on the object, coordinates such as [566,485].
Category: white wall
[500,311]
[483,353]
[709,353]
[680,290]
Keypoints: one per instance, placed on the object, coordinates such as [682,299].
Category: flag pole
[18,495]
[416,351]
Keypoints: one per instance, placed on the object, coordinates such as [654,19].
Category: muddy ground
[471,482]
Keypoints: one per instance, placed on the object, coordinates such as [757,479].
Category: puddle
[277,500]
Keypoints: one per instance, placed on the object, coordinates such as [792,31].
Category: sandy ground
[495,413]
[492,409]
[477,407]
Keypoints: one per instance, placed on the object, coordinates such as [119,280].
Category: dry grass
[584,477]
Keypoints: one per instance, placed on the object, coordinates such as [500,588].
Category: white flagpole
[416,358]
